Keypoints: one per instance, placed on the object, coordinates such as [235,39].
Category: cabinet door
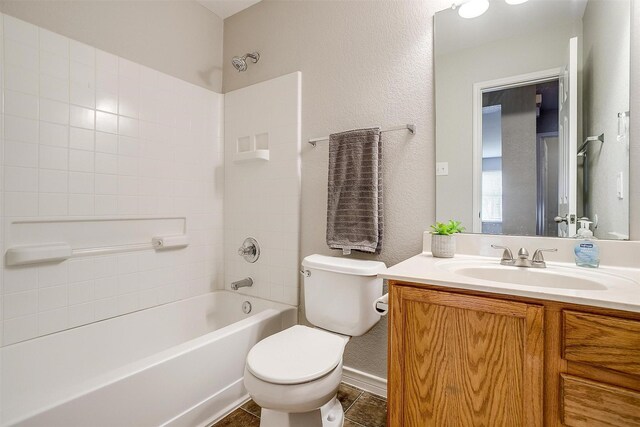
[458,360]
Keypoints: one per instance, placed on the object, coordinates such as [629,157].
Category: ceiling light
[473,8]
[515,1]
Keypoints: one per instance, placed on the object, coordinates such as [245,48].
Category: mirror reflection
[532,116]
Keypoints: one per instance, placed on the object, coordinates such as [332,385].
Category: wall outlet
[442,168]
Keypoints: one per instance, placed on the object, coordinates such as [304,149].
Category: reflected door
[518,160]
[568,144]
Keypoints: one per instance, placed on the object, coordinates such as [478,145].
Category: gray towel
[354,206]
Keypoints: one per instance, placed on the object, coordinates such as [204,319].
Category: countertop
[622,290]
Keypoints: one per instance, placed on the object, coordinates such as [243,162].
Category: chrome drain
[246,307]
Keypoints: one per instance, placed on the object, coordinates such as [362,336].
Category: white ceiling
[226,8]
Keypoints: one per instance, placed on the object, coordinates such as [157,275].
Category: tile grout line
[362,393]
[254,415]
[346,417]
[354,422]
[354,402]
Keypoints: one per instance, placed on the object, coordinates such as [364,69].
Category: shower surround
[262,186]
[91,138]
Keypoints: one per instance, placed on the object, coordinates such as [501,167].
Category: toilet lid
[296,355]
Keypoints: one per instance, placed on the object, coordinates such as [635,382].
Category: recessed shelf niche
[254,147]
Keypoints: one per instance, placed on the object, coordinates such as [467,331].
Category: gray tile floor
[362,409]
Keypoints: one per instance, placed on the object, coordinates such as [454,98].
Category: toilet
[294,375]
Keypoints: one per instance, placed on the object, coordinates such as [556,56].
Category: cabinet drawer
[589,403]
[603,341]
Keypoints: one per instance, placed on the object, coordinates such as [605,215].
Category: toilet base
[329,415]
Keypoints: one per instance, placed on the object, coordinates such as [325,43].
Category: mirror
[532,116]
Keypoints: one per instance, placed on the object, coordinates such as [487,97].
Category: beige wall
[605,94]
[634,135]
[363,63]
[179,38]
[456,74]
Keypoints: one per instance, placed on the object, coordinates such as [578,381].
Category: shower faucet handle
[244,251]
[250,250]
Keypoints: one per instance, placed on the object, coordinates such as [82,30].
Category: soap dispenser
[586,249]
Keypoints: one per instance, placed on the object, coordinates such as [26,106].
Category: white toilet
[294,375]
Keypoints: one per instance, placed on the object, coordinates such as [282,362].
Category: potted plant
[443,239]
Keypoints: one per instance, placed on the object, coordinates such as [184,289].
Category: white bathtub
[179,364]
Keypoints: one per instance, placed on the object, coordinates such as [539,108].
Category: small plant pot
[443,246]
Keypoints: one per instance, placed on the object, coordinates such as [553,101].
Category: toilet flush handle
[305,273]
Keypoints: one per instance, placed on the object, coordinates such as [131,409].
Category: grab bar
[57,252]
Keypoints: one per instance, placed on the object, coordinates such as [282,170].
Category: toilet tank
[339,293]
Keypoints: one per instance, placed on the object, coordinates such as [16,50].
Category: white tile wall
[263,197]
[87,134]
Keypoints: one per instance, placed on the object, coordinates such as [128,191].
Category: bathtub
[180,364]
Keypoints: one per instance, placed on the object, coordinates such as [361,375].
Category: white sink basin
[550,277]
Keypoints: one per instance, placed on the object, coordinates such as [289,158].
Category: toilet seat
[294,398]
[296,355]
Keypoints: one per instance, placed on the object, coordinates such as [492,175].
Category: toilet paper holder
[381,305]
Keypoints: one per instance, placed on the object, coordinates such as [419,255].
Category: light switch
[620,186]
[442,168]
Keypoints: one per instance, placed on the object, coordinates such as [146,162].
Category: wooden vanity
[467,358]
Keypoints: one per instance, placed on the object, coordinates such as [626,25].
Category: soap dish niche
[255,147]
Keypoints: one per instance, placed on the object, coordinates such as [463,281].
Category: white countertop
[622,290]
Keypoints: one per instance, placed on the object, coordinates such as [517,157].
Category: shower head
[240,62]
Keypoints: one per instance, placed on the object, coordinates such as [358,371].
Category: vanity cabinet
[606,348]
[602,341]
[467,358]
[460,360]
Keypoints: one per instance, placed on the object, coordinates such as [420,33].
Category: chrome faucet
[244,283]
[537,261]
[250,250]
[523,258]
[507,256]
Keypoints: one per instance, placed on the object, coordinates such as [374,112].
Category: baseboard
[365,381]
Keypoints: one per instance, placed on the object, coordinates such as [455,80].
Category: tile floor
[362,409]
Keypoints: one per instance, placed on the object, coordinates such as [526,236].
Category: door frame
[478,88]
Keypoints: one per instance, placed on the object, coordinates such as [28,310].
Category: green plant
[448,228]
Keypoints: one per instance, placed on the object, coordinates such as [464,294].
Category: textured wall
[605,94]
[456,72]
[362,63]
[518,167]
[634,106]
[179,38]
[365,63]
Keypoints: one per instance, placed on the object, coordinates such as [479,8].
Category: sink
[550,277]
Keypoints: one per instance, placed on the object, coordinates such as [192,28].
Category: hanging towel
[354,205]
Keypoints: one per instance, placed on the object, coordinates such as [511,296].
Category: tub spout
[246,282]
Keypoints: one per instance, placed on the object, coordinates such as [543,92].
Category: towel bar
[410,127]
